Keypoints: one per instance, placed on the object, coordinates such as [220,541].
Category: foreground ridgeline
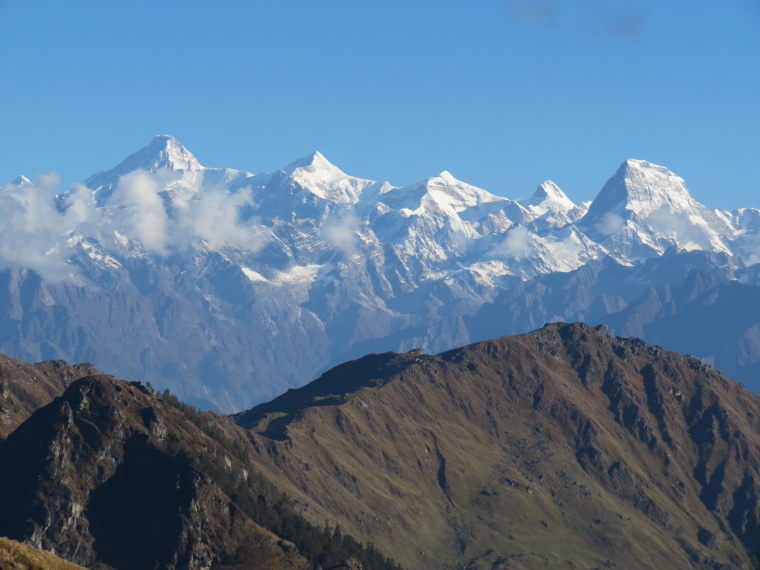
[229,287]
[564,448]
[109,475]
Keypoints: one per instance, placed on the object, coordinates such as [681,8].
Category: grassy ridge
[17,556]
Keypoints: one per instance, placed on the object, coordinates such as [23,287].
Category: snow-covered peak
[640,188]
[645,209]
[21,180]
[314,162]
[549,196]
[323,179]
[549,207]
[170,152]
[446,194]
[164,151]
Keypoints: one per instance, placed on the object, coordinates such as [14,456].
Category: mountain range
[563,448]
[229,287]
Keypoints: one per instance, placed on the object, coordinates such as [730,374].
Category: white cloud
[36,226]
[140,210]
[48,181]
[678,228]
[163,213]
[215,218]
[32,232]
[748,248]
[342,233]
[516,244]
[80,212]
[610,224]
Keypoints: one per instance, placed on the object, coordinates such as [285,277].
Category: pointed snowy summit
[549,193]
[21,181]
[312,163]
[644,209]
[446,194]
[640,188]
[321,178]
[164,151]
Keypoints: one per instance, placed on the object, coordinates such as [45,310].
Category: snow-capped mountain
[229,287]
[645,209]
[551,208]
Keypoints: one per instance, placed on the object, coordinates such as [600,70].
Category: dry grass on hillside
[17,556]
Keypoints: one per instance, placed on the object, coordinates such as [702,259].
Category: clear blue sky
[502,93]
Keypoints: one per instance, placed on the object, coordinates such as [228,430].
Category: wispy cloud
[32,229]
[679,229]
[36,226]
[621,18]
[164,213]
[610,224]
[140,209]
[544,12]
[215,218]
[629,24]
[517,244]
[342,233]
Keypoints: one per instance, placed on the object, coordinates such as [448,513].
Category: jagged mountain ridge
[563,447]
[24,387]
[230,287]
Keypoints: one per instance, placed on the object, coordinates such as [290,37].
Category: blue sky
[502,93]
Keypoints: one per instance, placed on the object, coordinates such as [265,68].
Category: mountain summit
[548,194]
[314,162]
[164,151]
[644,209]
[640,188]
[322,179]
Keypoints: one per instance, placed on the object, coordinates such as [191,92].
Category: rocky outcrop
[24,387]
[105,474]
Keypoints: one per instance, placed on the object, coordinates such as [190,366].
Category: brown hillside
[24,387]
[108,474]
[17,556]
[562,448]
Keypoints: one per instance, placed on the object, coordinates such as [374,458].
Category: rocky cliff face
[102,475]
[24,387]
[565,447]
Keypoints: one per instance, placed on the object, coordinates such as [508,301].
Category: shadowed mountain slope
[563,447]
[111,476]
[24,387]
